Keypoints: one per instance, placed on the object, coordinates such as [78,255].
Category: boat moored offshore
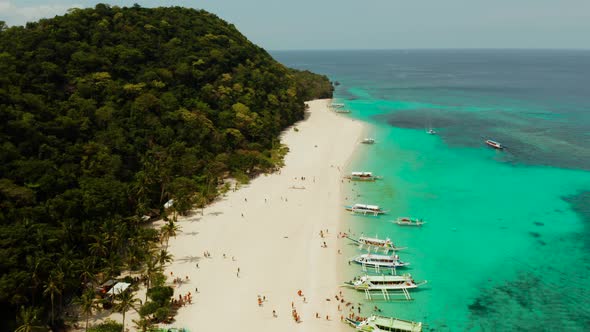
[379,261]
[362,176]
[341,110]
[382,323]
[384,282]
[375,242]
[368,140]
[405,221]
[365,209]
[494,144]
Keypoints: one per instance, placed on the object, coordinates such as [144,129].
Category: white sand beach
[270,231]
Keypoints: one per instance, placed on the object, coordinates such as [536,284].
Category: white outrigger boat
[381,323]
[362,176]
[384,282]
[377,243]
[336,105]
[379,261]
[405,221]
[338,110]
[368,140]
[365,209]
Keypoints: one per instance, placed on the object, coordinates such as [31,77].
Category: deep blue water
[508,235]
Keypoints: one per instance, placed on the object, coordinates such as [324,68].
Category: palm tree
[126,301]
[151,269]
[86,270]
[169,230]
[33,263]
[87,304]
[164,257]
[98,247]
[201,201]
[52,287]
[28,319]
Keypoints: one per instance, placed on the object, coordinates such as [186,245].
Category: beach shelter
[119,288]
[169,204]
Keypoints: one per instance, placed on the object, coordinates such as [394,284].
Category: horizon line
[435,49]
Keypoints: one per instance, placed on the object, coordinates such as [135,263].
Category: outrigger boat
[383,282]
[382,323]
[379,261]
[431,131]
[336,105]
[338,110]
[365,209]
[368,140]
[405,221]
[375,242]
[362,176]
[494,144]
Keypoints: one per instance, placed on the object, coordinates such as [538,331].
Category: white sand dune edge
[276,243]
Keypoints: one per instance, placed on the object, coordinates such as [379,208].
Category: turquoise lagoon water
[508,234]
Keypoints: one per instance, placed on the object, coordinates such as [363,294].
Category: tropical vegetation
[106,114]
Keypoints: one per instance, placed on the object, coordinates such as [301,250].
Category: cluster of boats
[383,285]
[376,210]
[388,259]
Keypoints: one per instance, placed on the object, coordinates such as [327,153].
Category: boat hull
[375,264]
[494,144]
[409,222]
[365,212]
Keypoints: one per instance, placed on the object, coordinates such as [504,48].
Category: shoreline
[264,239]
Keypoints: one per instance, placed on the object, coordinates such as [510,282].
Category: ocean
[507,240]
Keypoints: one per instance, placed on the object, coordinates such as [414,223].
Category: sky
[372,24]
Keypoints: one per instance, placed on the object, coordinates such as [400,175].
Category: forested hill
[107,113]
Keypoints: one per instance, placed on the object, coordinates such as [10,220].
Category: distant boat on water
[431,131]
[405,221]
[383,282]
[368,140]
[494,144]
[336,105]
[338,110]
[362,176]
[380,323]
[365,209]
[377,243]
[379,261]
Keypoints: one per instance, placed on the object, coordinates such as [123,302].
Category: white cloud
[16,15]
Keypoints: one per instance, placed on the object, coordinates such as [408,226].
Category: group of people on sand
[183,300]
[261,300]
[178,280]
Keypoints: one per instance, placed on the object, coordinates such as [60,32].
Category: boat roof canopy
[365,206]
[362,173]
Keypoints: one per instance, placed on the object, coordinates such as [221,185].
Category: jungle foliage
[107,113]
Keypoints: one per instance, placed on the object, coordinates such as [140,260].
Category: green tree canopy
[107,113]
